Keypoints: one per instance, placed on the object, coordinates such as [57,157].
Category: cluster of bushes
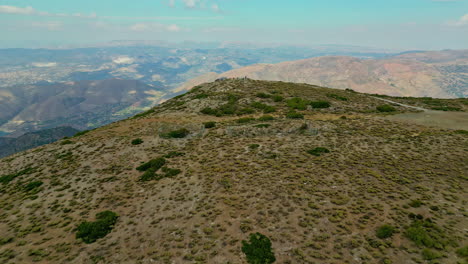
[8,178]
[210,124]
[264,107]
[137,141]
[318,151]
[151,168]
[264,118]
[426,233]
[89,232]
[179,133]
[447,108]
[301,104]
[81,133]
[386,108]
[276,98]
[294,115]
[227,109]
[258,249]
[385,231]
[337,97]
[33,185]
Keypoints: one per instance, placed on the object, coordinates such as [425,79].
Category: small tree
[258,249]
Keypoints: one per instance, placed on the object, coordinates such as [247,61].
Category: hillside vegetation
[242,171]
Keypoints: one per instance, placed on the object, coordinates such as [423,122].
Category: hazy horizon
[399,25]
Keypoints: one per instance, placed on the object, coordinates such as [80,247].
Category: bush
[258,249]
[263,95]
[179,133]
[81,133]
[155,164]
[294,115]
[385,231]
[463,252]
[415,203]
[425,233]
[33,185]
[297,103]
[266,118]
[262,125]
[254,146]
[320,104]
[430,255]
[264,107]
[337,97]
[318,151]
[137,141]
[209,124]
[278,98]
[8,178]
[168,172]
[89,232]
[386,108]
[245,120]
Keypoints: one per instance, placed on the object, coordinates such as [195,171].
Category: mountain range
[439,74]
[245,171]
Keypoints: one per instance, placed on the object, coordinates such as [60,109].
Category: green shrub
[320,104]
[297,103]
[152,164]
[415,203]
[318,151]
[245,120]
[262,125]
[426,233]
[386,108]
[461,132]
[264,107]
[149,175]
[430,255]
[385,231]
[81,133]
[143,114]
[294,115]
[209,124]
[337,97]
[254,146]
[278,98]
[66,142]
[179,133]
[201,96]
[137,141]
[258,250]
[33,185]
[245,111]
[263,95]
[168,172]
[447,108]
[89,232]
[463,252]
[8,178]
[266,118]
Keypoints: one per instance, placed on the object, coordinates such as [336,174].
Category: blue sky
[397,24]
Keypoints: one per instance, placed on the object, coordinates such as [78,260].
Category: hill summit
[242,171]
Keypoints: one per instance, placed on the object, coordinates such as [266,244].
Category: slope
[384,192]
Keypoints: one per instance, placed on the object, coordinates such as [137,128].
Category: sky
[389,24]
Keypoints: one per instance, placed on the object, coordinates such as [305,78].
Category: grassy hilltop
[239,171]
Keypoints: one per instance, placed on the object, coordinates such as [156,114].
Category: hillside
[322,173]
[442,74]
[83,104]
[9,145]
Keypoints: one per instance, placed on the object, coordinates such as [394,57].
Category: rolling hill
[243,169]
[82,104]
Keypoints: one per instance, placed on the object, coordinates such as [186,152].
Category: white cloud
[44,64]
[5,9]
[463,21]
[190,3]
[123,60]
[215,7]
[49,25]
[154,27]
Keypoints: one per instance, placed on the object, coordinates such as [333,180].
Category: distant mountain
[441,74]
[27,141]
[82,104]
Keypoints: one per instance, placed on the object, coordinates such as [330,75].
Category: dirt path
[442,119]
